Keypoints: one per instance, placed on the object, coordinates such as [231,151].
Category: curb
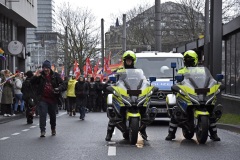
[9,119]
[229,127]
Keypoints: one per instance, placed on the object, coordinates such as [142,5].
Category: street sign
[15,47]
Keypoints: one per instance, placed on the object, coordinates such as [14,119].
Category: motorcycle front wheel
[202,129]
[133,130]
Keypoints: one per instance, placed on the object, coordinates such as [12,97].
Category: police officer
[129,59]
[190,60]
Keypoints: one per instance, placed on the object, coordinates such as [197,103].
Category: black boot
[171,132]
[109,132]
[143,133]
[170,136]
[108,137]
[213,131]
[215,137]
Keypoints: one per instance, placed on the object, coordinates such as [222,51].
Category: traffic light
[28,54]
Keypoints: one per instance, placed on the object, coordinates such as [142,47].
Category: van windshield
[159,67]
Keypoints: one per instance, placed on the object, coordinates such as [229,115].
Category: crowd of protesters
[11,97]
[45,92]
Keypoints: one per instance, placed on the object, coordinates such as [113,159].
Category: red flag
[106,66]
[95,69]
[62,73]
[87,67]
[109,57]
[76,70]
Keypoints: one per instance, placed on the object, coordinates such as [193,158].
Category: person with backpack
[29,97]
[81,91]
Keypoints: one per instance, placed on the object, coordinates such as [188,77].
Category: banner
[76,70]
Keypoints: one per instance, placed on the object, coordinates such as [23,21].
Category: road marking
[32,126]
[4,138]
[61,114]
[14,134]
[111,151]
[25,130]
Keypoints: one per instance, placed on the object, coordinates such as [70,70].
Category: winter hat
[46,64]
[29,74]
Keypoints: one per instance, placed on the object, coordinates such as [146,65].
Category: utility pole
[66,53]
[102,41]
[206,35]
[124,34]
[158,43]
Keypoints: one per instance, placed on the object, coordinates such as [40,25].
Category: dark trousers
[92,102]
[45,108]
[6,108]
[71,103]
[81,103]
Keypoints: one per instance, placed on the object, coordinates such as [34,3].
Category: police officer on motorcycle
[190,60]
[129,59]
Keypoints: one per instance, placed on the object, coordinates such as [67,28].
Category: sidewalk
[8,119]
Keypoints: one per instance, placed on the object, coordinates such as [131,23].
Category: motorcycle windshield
[199,77]
[132,79]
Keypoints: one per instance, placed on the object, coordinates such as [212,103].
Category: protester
[18,94]
[50,85]
[29,97]
[92,95]
[71,97]
[7,93]
[81,91]
[99,99]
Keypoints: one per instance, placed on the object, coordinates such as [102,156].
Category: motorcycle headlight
[210,98]
[194,98]
[126,100]
[141,100]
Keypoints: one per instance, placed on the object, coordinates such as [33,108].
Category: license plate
[162,110]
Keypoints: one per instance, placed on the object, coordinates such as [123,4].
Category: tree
[82,34]
[181,22]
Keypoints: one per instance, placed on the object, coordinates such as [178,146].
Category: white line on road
[111,151]
[32,126]
[14,134]
[4,138]
[25,130]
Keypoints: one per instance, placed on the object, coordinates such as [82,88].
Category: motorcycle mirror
[110,89]
[175,88]
[152,79]
[219,77]
[113,79]
[179,78]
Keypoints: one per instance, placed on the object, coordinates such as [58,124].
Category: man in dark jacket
[50,85]
[99,99]
[81,91]
[92,95]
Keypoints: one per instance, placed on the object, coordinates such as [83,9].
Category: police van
[158,64]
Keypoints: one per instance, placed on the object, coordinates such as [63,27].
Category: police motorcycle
[193,103]
[129,101]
